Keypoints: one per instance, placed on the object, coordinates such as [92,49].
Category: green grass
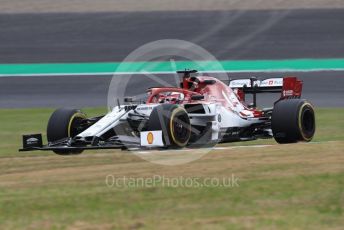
[293,202]
[16,122]
[283,186]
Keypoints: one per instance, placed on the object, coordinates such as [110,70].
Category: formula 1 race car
[201,112]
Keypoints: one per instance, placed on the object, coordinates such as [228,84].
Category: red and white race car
[203,111]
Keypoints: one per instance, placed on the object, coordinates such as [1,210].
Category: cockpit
[170,95]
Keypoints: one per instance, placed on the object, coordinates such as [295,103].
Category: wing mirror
[209,82]
[128,99]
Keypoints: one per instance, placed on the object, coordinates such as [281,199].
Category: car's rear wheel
[64,123]
[174,122]
[293,120]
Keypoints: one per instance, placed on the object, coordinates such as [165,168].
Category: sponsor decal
[31,140]
[240,83]
[150,138]
[288,93]
[145,108]
[247,82]
[272,82]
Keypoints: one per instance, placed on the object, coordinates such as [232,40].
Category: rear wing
[288,87]
[270,85]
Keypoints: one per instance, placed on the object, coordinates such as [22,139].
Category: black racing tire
[293,120]
[63,123]
[174,122]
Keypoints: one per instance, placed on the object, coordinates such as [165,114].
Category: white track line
[232,147]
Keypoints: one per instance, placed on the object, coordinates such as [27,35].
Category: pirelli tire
[174,122]
[64,123]
[293,120]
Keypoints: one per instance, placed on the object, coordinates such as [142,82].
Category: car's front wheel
[64,123]
[174,122]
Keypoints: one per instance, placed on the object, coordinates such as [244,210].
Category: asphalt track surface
[73,37]
[234,35]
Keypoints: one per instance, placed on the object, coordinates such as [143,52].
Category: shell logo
[150,138]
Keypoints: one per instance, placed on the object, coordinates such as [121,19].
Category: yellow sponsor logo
[150,138]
